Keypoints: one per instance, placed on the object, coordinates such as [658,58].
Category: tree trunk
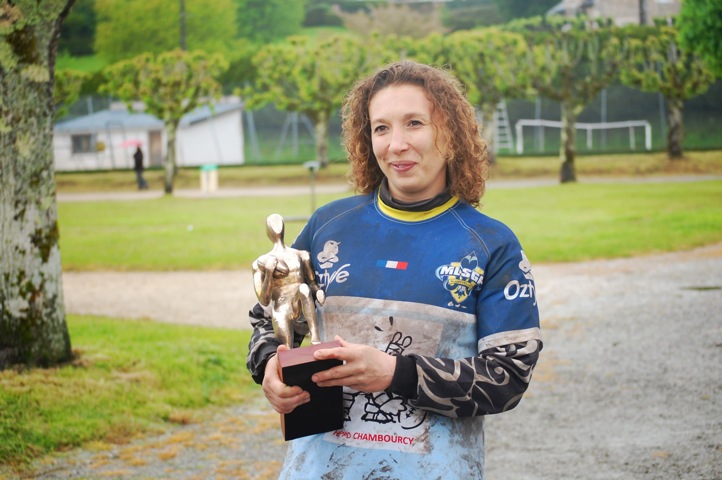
[643,12]
[171,168]
[568,149]
[321,128]
[675,134]
[487,129]
[33,330]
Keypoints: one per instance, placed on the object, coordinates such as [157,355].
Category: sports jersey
[450,291]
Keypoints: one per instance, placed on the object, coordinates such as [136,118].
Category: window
[84,143]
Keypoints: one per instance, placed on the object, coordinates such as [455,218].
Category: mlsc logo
[461,278]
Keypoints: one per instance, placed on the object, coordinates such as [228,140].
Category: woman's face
[403,138]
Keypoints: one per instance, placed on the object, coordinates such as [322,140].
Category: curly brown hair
[466,152]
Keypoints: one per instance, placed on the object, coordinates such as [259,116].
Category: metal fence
[273,136]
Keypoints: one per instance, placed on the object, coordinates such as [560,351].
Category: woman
[433,302]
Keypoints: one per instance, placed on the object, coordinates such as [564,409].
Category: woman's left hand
[366,369]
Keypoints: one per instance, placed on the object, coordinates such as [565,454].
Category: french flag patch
[392,264]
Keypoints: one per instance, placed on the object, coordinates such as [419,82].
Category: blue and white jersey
[442,286]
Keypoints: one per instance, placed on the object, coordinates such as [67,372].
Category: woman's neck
[420,206]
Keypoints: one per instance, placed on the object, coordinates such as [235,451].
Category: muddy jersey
[443,284]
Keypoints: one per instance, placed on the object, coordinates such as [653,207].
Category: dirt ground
[629,384]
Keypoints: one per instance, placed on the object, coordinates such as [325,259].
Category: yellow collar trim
[407,216]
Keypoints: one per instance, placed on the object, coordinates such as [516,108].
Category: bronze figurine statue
[284,279]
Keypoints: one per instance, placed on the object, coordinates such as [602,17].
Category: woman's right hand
[283,399]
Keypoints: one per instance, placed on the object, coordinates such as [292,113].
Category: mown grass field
[554,223]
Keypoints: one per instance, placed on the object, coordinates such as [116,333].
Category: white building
[623,12]
[97,141]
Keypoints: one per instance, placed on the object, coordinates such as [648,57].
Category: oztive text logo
[515,289]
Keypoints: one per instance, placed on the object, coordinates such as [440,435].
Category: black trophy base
[324,413]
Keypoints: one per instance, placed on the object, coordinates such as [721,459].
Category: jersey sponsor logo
[516,289]
[384,419]
[329,254]
[462,277]
[327,260]
[374,437]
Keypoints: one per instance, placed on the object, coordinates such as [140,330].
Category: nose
[398,141]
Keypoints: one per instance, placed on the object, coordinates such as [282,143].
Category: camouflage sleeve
[492,382]
[263,343]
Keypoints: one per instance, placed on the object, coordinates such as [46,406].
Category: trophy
[285,283]
[284,279]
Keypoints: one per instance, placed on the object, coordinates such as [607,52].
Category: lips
[402,167]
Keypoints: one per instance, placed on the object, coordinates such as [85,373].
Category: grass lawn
[555,224]
[583,222]
[189,178]
[128,377]
[88,64]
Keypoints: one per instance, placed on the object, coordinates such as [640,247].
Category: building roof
[558,9]
[123,119]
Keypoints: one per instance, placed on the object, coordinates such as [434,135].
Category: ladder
[502,130]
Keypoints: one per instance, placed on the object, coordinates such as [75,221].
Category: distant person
[138,166]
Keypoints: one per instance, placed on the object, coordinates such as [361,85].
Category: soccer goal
[589,128]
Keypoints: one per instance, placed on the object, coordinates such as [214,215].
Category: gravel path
[214,299]
[629,385]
